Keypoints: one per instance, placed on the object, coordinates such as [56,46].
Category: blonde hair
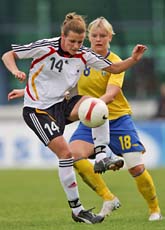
[73,22]
[101,21]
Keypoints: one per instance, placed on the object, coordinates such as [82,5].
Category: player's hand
[15,93]
[21,76]
[138,52]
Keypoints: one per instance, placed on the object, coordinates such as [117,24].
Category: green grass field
[34,200]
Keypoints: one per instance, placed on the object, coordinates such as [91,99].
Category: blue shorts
[123,135]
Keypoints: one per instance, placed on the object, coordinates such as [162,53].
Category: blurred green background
[143,21]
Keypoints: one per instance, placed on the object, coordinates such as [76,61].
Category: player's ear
[110,37]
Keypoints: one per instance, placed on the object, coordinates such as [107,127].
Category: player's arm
[110,94]
[9,60]
[15,93]
[119,67]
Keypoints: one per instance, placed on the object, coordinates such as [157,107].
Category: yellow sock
[85,169]
[147,189]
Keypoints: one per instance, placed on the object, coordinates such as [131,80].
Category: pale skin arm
[9,60]
[15,93]
[110,94]
[119,67]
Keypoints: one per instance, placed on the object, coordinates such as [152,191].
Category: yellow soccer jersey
[94,82]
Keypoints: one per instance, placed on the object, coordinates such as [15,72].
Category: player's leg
[95,181]
[66,174]
[144,183]
[84,167]
[124,140]
[100,138]
[49,132]
[68,181]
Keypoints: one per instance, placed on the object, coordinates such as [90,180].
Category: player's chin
[98,48]
[73,52]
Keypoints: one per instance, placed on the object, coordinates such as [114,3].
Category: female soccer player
[124,140]
[56,67]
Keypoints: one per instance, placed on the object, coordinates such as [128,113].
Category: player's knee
[137,170]
[134,162]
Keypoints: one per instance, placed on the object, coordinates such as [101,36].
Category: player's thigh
[60,147]
[81,149]
[81,142]
[74,105]
[43,125]
[124,137]
[124,142]
[134,161]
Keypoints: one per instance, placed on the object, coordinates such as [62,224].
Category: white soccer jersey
[53,71]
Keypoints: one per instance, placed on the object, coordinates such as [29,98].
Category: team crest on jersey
[104,73]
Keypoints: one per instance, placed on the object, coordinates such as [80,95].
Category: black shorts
[50,123]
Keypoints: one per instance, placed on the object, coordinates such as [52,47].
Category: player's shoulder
[85,49]
[48,41]
[113,57]
[90,52]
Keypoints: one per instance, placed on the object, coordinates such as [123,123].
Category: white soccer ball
[93,112]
